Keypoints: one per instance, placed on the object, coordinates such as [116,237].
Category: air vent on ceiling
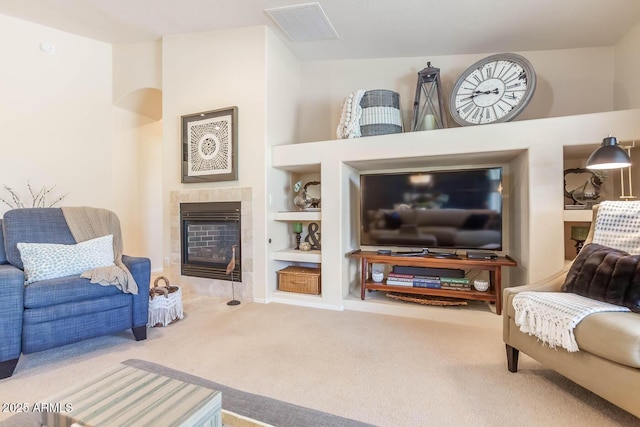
[303,22]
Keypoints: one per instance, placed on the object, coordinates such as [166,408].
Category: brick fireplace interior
[210,239]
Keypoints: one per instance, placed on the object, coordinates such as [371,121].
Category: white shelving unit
[534,151]
[578,215]
[291,255]
[297,256]
[297,216]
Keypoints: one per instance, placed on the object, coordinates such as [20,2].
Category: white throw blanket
[349,126]
[552,316]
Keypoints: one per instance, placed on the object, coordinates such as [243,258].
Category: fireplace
[208,232]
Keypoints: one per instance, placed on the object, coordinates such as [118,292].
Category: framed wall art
[210,146]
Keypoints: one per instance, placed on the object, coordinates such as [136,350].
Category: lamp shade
[608,156]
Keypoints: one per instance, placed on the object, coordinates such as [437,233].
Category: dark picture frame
[210,146]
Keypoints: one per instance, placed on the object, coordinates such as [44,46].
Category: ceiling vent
[303,22]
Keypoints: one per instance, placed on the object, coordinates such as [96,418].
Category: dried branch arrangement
[38,198]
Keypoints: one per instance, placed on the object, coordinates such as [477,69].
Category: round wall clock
[494,89]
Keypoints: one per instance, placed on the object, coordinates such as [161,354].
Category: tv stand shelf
[493,294]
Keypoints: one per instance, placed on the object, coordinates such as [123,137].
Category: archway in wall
[146,102]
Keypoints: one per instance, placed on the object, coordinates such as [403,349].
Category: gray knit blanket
[88,223]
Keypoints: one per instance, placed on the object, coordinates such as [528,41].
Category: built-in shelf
[578,215]
[297,255]
[299,216]
[316,301]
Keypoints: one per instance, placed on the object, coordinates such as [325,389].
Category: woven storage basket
[165,303]
[302,280]
[380,112]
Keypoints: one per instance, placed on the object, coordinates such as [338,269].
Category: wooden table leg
[363,277]
[495,276]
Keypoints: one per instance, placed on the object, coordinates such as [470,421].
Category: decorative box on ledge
[303,280]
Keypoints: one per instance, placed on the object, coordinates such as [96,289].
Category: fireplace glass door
[210,239]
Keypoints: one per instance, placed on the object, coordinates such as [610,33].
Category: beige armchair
[608,362]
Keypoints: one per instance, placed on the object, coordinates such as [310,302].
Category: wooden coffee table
[129,396]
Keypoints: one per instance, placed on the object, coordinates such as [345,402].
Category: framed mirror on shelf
[312,191]
[308,197]
[582,188]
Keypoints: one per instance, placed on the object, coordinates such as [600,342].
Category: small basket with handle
[165,303]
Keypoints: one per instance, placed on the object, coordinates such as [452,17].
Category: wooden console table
[493,294]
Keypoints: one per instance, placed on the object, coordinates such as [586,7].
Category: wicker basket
[380,113]
[165,303]
[302,280]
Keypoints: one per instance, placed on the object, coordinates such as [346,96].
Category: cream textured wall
[208,71]
[566,85]
[138,140]
[137,84]
[135,66]
[56,125]
[283,93]
[627,71]
[137,78]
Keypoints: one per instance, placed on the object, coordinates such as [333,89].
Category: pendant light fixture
[608,156]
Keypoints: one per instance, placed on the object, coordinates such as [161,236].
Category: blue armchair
[54,312]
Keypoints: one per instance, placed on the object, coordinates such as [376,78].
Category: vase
[377,276]
[300,201]
[481,285]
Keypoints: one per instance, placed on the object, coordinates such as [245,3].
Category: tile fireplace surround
[213,287]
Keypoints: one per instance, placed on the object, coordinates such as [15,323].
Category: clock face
[494,89]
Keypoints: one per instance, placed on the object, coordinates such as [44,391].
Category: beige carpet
[383,370]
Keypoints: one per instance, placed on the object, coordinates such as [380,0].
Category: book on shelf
[426,284]
[400,276]
[456,286]
[406,283]
[427,278]
[455,280]
[431,282]
[400,279]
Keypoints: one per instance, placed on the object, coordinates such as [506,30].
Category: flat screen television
[450,209]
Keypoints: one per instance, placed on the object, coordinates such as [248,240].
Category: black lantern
[428,107]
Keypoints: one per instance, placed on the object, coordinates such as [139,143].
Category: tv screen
[452,209]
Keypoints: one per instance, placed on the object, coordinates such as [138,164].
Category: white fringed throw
[349,126]
[552,316]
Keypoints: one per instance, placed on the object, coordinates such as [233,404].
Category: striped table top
[131,397]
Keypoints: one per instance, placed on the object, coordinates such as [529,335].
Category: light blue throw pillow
[44,261]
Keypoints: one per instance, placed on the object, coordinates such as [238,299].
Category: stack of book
[458,283]
[397,279]
[434,282]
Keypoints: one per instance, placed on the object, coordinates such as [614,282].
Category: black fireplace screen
[210,240]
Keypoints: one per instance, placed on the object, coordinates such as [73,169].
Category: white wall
[208,71]
[56,122]
[283,92]
[137,83]
[135,66]
[138,176]
[627,66]
[137,78]
[571,81]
